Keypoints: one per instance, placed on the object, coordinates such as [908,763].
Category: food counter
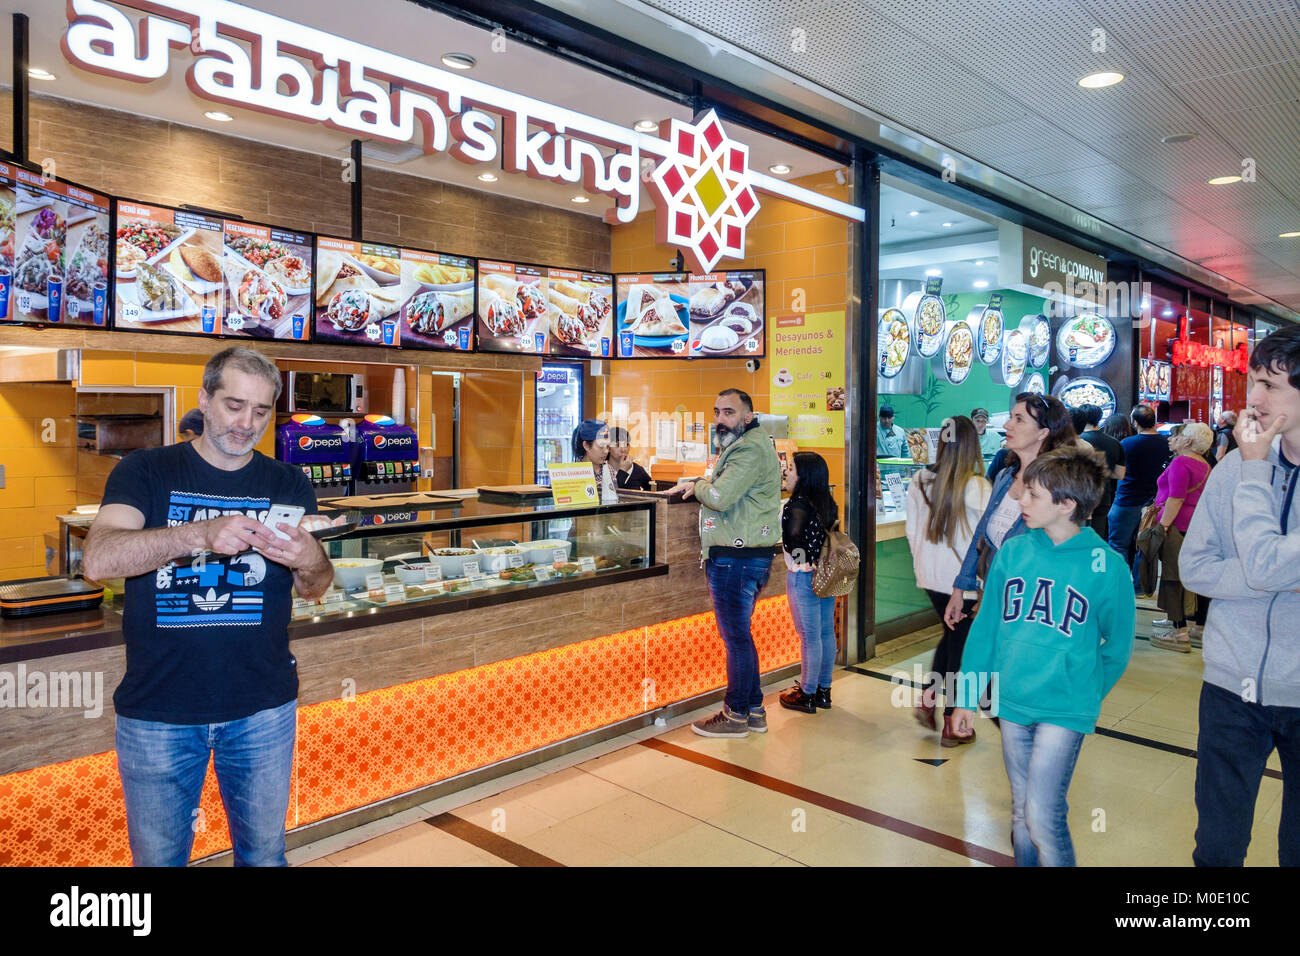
[408,681]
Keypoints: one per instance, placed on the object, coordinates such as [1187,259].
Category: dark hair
[744,398]
[1070,473]
[814,485]
[1078,418]
[1118,427]
[886,411]
[1092,415]
[1280,352]
[588,431]
[1144,416]
[191,421]
[1048,412]
[244,360]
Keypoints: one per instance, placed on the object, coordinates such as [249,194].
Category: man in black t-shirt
[208,601]
[1115,465]
[1145,456]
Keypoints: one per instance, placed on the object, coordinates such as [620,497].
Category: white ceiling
[400,27]
[996,80]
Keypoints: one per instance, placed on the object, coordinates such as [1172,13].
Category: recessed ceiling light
[1223,180]
[645,126]
[979,262]
[219,116]
[1178,138]
[580,199]
[488,177]
[980,284]
[946,225]
[779,169]
[458,61]
[1167,312]
[933,272]
[915,212]
[1288,235]
[36,73]
[1095,81]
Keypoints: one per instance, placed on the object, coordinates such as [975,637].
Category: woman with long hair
[944,504]
[1038,424]
[808,516]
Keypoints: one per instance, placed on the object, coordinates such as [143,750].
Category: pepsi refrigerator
[320,449]
[558,410]
[386,457]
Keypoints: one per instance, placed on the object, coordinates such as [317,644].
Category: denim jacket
[966,579]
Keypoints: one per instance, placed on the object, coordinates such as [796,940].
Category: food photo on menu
[39,254]
[652,317]
[440,312]
[727,314]
[268,282]
[582,313]
[360,291]
[167,274]
[514,314]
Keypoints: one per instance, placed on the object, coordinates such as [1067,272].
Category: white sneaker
[1178,640]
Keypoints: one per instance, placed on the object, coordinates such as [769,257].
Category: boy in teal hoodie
[1054,634]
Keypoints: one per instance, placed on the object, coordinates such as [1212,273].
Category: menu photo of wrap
[514,313]
[582,313]
[168,273]
[439,315]
[652,315]
[53,251]
[268,281]
[360,291]
[727,314]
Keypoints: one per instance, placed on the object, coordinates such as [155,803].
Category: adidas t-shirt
[207,638]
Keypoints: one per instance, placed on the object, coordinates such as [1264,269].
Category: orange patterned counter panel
[358,751]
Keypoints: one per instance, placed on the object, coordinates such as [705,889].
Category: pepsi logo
[379,519]
[380,441]
[304,441]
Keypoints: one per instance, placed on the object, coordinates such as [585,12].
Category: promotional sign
[1030,260]
[807,363]
[581,305]
[703,186]
[359,292]
[513,312]
[53,250]
[268,281]
[167,270]
[573,484]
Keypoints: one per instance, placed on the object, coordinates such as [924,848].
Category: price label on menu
[515,560]
[543,574]
[374,581]
[432,573]
[24,302]
[587,564]
[74,308]
[131,312]
[234,322]
[394,593]
[470,569]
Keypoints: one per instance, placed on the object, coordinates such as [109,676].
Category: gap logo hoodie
[1054,632]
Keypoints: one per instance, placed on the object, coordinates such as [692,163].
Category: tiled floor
[844,787]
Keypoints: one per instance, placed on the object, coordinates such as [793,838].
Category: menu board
[513,312]
[728,312]
[53,250]
[359,293]
[267,274]
[652,317]
[440,311]
[581,305]
[167,270]
[1154,380]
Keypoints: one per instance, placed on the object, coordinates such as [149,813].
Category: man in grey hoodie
[1243,550]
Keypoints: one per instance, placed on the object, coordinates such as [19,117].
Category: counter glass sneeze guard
[515,547]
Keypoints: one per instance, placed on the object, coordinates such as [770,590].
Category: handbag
[1151,515]
[837,566]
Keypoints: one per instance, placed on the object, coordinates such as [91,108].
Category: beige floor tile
[357,835]
[416,845]
[323,861]
[706,845]
[511,818]
[853,843]
[634,766]
[567,842]
[1162,733]
[786,861]
[633,824]
[567,793]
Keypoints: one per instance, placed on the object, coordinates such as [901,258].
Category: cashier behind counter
[891,440]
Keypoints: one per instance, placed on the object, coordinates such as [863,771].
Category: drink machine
[320,449]
[386,457]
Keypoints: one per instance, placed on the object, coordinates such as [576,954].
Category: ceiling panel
[1096,186]
[1269,135]
[1226,48]
[1141,21]
[1257,86]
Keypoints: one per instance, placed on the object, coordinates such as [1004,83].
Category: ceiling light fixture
[1223,180]
[980,284]
[1177,138]
[1288,235]
[36,73]
[932,273]
[915,212]
[779,169]
[979,262]
[1167,312]
[458,61]
[645,126]
[488,177]
[219,116]
[1095,81]
[946,225]
[580,199]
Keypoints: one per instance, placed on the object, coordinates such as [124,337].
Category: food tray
[34,596]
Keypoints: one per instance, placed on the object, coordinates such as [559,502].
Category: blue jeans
[162,768]
[734,585]
[1122,522]
[1040,761]
[814,619]
[1232,748]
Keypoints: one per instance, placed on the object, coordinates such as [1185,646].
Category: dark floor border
[513,853]
[972,851]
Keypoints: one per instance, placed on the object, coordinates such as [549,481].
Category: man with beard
[208,598]
[740,530]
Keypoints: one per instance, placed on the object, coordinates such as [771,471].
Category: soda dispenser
[320,449]
[386,458]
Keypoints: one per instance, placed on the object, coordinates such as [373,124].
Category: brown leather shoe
[924,716]
[950,739]
[796,699]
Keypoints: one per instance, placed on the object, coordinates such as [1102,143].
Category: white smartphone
[283,514]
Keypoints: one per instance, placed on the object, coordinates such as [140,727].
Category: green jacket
[740,506]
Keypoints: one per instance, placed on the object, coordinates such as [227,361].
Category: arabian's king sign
[702,185]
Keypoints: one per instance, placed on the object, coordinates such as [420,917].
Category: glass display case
[470,548]
[896,592]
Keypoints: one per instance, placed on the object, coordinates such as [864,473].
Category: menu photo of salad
[268,287]
[360,290]
[582,313]
[168,270]
[513,312]
[440,311]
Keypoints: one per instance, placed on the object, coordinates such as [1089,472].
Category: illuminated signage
[262,62]
[1208,356]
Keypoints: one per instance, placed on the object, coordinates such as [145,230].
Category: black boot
[823,698]
[796,699]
